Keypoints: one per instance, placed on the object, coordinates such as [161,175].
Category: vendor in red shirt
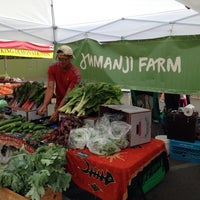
[62,77]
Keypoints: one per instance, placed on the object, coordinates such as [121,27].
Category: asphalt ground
[180,183]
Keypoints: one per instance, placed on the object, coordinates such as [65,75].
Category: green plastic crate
[150,180]
[151,176]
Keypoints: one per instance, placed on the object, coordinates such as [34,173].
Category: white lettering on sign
[126,63]
[160,64]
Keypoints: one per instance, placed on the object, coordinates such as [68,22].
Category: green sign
[169,65]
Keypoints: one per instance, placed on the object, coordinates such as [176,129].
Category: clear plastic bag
[120,129]
[102,146]
[103,125]
[78,138]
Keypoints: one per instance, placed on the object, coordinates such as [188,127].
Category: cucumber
[14,130]
[23,126]
[10,126]
[8,121]
[38,127]
[32,125]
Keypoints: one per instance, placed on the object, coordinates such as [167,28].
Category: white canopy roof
[193,4]
[50,21]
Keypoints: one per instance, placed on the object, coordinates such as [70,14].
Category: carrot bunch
[7,88]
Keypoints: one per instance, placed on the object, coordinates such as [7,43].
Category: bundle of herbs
[85,98]
[30,174]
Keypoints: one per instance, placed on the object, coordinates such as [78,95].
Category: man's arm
[47,98]
[55,115]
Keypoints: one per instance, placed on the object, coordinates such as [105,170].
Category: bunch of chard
[85,99]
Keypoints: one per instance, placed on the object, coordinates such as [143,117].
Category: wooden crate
[6,194]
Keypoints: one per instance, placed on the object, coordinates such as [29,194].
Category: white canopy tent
[60,21]
[193,4]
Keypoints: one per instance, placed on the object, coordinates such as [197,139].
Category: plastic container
[186,151]
[150,177]
[165,140]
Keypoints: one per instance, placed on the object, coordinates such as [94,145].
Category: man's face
[64,60]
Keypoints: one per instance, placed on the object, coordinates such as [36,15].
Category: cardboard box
[91,121]
[6,194]
[139,119]
[29,115]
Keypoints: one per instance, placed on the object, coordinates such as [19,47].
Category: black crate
[181,127]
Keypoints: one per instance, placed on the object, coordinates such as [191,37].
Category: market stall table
[109,177]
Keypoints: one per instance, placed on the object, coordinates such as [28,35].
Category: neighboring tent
[24,49]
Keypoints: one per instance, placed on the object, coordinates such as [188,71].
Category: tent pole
[5,64]
[53,21]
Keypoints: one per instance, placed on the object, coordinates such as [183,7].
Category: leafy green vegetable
[30,174]
[85,99]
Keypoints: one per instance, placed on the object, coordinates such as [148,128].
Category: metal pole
[5,65]
[53,22]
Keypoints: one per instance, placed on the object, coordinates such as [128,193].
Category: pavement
[180,183]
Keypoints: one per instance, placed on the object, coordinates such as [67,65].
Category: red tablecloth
[108,177]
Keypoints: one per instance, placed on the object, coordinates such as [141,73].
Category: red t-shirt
[64,79]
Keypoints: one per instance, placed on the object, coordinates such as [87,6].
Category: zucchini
[31,125]
[8,121]
[38,127]
[10,126]
[23,126]
[14,130]
[26,131]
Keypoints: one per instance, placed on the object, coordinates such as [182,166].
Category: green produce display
[28,95]
[10,123]
[30,174]
[30,131]
[85,99]
[18,124]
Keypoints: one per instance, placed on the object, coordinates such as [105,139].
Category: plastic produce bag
[120,129]
[103,125]
[110,137]
[122,143]
[102,146]
[78,138]
[3,104]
